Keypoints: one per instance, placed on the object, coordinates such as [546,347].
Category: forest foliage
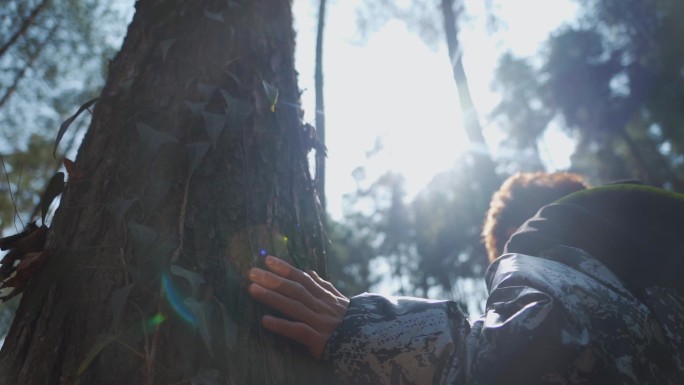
[613,80]
[53,58]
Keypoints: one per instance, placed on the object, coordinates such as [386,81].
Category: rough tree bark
[194,166]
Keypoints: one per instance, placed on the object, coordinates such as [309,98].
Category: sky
[395,88]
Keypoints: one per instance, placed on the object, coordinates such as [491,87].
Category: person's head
[518,199]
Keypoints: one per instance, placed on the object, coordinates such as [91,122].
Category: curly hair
[518,199]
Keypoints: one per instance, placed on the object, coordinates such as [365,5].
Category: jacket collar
[637,231]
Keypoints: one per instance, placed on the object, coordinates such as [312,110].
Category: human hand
[315,307]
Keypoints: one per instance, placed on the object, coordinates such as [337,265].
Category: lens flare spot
[263,252]
[156,320]
[285,239]
[174,300]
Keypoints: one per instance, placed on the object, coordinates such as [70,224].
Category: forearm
[391,340]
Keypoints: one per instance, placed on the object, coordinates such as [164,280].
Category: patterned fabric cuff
[391,340]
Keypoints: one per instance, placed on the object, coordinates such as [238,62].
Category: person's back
[624,312]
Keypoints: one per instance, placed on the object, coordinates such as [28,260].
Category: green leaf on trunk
[65,125]
[237,109]
[230,328]
[134,272]
[206,377]
[54,188]
[155,192]
[160,255]
[118,301]
[216,16]
[196,108]
[126,85]
[196,153]
[194,278]
[143,237]
[101,342]
[271,95]
[214,125]
[165,45]
[151,139]
[202,312]
[234,78]
[206,90]
[190,81]
[119,208]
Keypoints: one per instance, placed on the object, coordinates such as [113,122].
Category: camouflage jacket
[555,314]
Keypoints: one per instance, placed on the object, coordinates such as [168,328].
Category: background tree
[320,104]
[378,216]
[431,244]
[194,166]
[53,55]
[613,81]
[436,21]
[428,246]
[448,222]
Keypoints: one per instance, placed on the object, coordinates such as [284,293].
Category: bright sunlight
[391,102]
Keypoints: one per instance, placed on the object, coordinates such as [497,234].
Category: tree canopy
[53,57]
[613,80]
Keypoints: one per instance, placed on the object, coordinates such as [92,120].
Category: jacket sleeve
[401,340]
[398,340]
[545,323]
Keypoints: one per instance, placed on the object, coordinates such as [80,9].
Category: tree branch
[24,26]
[20,75]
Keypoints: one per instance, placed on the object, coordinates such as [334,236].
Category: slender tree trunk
[470,116]
[471,123]
[320,105]
[194,166]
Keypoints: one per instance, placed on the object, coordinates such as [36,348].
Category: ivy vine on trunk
[194,168]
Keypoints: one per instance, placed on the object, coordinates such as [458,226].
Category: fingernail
[267,321]
[272,261]
[256,274]
[256,289]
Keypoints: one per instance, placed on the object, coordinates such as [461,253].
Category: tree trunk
[471,122]
[193,168]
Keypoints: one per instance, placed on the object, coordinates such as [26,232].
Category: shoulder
[573,318]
